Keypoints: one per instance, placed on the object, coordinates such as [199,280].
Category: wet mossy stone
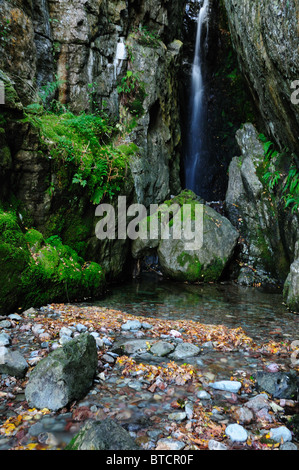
[102,435]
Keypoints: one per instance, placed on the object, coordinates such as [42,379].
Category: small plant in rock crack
[132,91]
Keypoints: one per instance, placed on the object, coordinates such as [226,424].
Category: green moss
[197,272]
[35,272]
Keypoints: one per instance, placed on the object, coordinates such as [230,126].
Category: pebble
[226,385]
[169,444]
[4,339]
[5,324]
[203,395]
[131,325]
[178,416]
[215,445]
[280,434]
[236,433]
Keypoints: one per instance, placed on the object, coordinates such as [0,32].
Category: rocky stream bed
[170,384]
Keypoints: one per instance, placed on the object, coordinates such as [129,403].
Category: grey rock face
[64,375]
[264,34]
[250,210]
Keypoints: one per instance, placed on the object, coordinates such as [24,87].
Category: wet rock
[4,339]
[169,444]
[288,446]
[102,435]
[203,395]
[5,324]
[162,348]
[278,384]
[243,415]
[133,346]
[12,363]
[64,375]
[131,325]
[178,416]
[184,350]
[258,402]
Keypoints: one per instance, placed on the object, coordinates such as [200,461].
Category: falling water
[120,56]
[196,138]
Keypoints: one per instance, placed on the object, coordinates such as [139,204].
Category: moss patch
[35,272]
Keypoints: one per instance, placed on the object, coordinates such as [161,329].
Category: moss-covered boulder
[210,251]
[193,242]
[34,272]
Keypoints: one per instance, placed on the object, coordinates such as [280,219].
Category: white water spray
[197,128]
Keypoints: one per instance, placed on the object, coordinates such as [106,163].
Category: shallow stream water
[260,312]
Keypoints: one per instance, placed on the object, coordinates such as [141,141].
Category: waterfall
[196,138]
[120,56]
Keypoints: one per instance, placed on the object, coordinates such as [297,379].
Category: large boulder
[192,240]
[207,261]
[64,375]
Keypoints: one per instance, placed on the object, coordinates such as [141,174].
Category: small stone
[31,312]
[65,331]
[12,363]
[258,402]
[5,324]
[236,433]
[131,325]
[203,395]
[81,328]
[189,410]
[15,317]
[64,339]
[4,339]
[243,415]
[146,326]
[226,385]
[170,444]
[161,348]
[108,358]
[215,445]
[184,350]
[179,416]
[280,434]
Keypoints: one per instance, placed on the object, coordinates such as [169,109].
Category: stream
[260,312]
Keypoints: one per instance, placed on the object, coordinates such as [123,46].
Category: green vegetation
[146,38]
[132,92]
[82,146]
[281,179]
[35,271]
[197,272]
[4,30]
